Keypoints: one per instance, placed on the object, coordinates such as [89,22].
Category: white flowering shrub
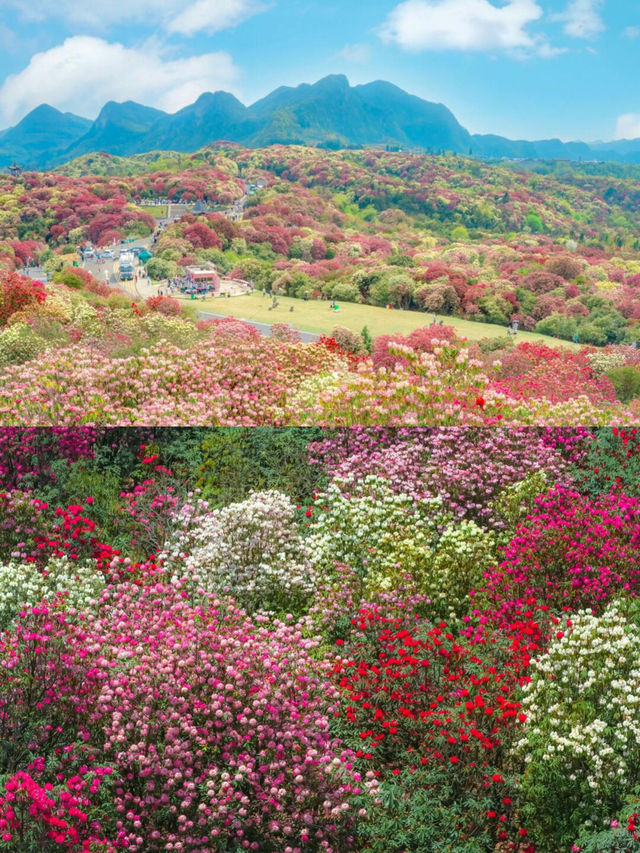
[19,343]
[252,550]
[22,584]
[381,534]
[604,360]
[463,552]
[581,748]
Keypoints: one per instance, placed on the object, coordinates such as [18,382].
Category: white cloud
[465,25]
[632,32]
[84,72]
[582,19]
[212,15]
[628,126]
[358,53]
[173,15]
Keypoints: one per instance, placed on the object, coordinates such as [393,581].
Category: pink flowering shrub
[398,455]
[216,727]
[572,552]
[470,467]
[149,508]
[420,340]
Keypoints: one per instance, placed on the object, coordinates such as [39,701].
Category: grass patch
[157,210]
[317,317]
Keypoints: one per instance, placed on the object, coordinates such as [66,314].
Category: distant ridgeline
[328,114]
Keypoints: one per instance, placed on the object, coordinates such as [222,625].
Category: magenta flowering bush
[26,454]
[571,552]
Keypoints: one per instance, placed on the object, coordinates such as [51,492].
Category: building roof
[202,271]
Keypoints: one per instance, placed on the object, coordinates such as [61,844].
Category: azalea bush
[381,534]
[430,718]
[571,552]
[16,293]
[581,745]
[252,550]
[457,567]
[24,585]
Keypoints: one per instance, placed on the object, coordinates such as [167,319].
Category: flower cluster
[23,585]
[380,533]
[581,744]
[252,550]
[570,552]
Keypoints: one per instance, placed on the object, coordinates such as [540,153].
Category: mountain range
[329,113]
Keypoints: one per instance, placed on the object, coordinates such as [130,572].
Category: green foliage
[612,459]
[534,223]
[494,344]
[494,308]
[559,326]
[345,291]
[237,461]
[424,812]
[459,233]
[626,381]
[158,268]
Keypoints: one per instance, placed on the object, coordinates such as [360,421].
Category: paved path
[263,328]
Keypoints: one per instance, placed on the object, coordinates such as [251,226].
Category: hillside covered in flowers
[558,253]
[306,640]
[553,251]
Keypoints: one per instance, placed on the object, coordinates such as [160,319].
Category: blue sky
[521,68]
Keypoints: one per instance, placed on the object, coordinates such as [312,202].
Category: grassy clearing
[157,210]
[317,317]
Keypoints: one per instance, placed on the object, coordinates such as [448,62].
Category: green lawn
[319,318]
[159,210]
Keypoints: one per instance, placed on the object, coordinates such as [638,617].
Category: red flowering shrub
[33,532]
[202,237]
[430,717]
[42,816]
[17,292]
[166,305]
